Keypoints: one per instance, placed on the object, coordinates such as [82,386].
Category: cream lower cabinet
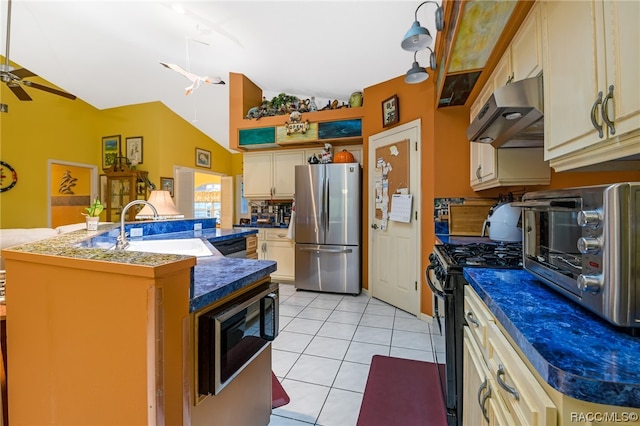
[482,404]
[273,244]
[504,391]
[591,68]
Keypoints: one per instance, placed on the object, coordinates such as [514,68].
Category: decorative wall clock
[5,183]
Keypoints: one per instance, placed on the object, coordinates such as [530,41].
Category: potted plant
[93,215]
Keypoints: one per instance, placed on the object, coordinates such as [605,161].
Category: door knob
[374,226]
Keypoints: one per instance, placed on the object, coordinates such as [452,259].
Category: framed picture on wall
[203,158]
[390,111]
[134,150]
[110,150]
[166,184]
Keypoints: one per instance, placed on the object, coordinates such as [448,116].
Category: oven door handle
[234,309]
[562,203]
[272,333]
[438,292]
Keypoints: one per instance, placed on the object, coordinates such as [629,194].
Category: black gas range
[445,279]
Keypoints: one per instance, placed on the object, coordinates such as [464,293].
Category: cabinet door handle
[605,111]
[510,79]
[478,170]
[472,320]
[482,400]
[593,115]
[505,386]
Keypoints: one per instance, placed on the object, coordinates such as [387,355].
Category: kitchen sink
[186,246]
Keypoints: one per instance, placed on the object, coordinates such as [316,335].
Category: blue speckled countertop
[573,350]
[214,276]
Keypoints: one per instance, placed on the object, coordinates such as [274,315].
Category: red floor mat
[402,392]
[278,395]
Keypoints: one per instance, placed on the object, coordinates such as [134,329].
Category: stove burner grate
[489,255]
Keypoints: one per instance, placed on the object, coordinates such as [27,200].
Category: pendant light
[418,74]
[418,37]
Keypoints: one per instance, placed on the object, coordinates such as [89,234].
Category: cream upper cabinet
[526,47]
[592,68]
[482,98]
[271,175]
[284,172]
[490,167]
[257,175]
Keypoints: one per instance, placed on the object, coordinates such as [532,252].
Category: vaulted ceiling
[108,53]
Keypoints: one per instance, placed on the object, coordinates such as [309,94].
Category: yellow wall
[31,133]
[52,127]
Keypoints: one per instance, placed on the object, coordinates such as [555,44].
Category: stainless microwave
[232,335]
[584,242]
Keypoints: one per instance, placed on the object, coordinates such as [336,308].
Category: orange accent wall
[445,158]
[415,102]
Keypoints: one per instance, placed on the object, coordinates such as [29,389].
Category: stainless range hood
[512,117]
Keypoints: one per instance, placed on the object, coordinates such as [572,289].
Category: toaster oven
[584,242]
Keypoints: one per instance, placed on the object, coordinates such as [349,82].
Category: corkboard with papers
[391,175]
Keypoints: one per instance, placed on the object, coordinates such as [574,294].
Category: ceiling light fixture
[418,74]
[418,37]
[512,115]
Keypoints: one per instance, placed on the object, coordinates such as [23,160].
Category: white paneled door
[394,269]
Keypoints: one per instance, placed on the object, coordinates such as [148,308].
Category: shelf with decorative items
[123,186]
[255,125]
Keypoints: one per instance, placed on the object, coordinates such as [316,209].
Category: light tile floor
[324,349]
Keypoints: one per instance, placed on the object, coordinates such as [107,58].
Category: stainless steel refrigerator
[328,227]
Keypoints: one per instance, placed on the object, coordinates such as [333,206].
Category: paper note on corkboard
[392,175]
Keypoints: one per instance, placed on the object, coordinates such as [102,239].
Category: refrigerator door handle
[326,250]
[326,205]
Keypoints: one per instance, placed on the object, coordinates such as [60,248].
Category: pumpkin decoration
[343,156]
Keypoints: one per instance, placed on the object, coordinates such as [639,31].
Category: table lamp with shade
[163,203]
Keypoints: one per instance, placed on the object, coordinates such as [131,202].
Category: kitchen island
[585,364]
[101,336]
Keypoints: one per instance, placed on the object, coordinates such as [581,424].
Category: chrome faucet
[122,242]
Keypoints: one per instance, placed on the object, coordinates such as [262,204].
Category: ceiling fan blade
[19,92]
[48,89]
[23,73]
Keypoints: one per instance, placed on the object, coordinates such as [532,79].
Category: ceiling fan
[14,78]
